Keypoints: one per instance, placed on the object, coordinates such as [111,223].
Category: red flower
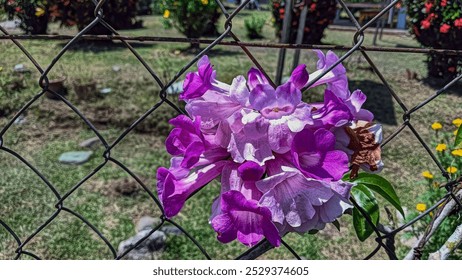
[313,7]
[18,9]
[452,69]
[445,28]
[428,7]
[425,24]
[444,3]
[458,23]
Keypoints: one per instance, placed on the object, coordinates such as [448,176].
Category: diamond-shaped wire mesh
[384,238]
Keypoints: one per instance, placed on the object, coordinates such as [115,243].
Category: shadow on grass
[403,45]
[438,83]
[193,50]
[379,101]
[224,52]
[104,46]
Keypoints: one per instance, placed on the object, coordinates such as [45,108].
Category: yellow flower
[437,126]
[421,207]
[452,169]
[457,122]
[166,14]
[441,147]
[427,174]
[457,152]
[39,12]
[455,132]
[205,2]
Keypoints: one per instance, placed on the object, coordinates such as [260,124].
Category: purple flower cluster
[279,159]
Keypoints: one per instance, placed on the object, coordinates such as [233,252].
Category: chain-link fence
[384,236]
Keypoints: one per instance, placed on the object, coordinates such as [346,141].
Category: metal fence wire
[384,237]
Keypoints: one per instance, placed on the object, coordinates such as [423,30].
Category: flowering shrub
[280,160]
[120,14]
[193,18]
[320,15]
[449,153]
[254,26]
[438,24]
[33,14]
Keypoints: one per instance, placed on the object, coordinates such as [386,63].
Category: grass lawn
[52,128]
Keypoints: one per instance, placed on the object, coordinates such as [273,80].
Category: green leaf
[336,224]
[366,200]
[381,186]
[458,141]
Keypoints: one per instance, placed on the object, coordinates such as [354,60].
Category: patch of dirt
[120,187]
[125,187]
[57,115]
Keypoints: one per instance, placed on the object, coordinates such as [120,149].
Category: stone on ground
[149,249]
[90,143]
[147,223]
[75,157]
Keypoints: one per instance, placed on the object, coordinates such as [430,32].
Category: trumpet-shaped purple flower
[186,140]
[338,112]
[355,101]
[255,78]
[251,142]
[334,113]
[213,108]
[336,79]
[275,115]
[299,76]
[301,204]
[280,159]
[250,171]
[236,213]
[275,104]
[197,161]
[198,83]
[245,220]
[174,188]
[315,156]
[241,178]
[221,111]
